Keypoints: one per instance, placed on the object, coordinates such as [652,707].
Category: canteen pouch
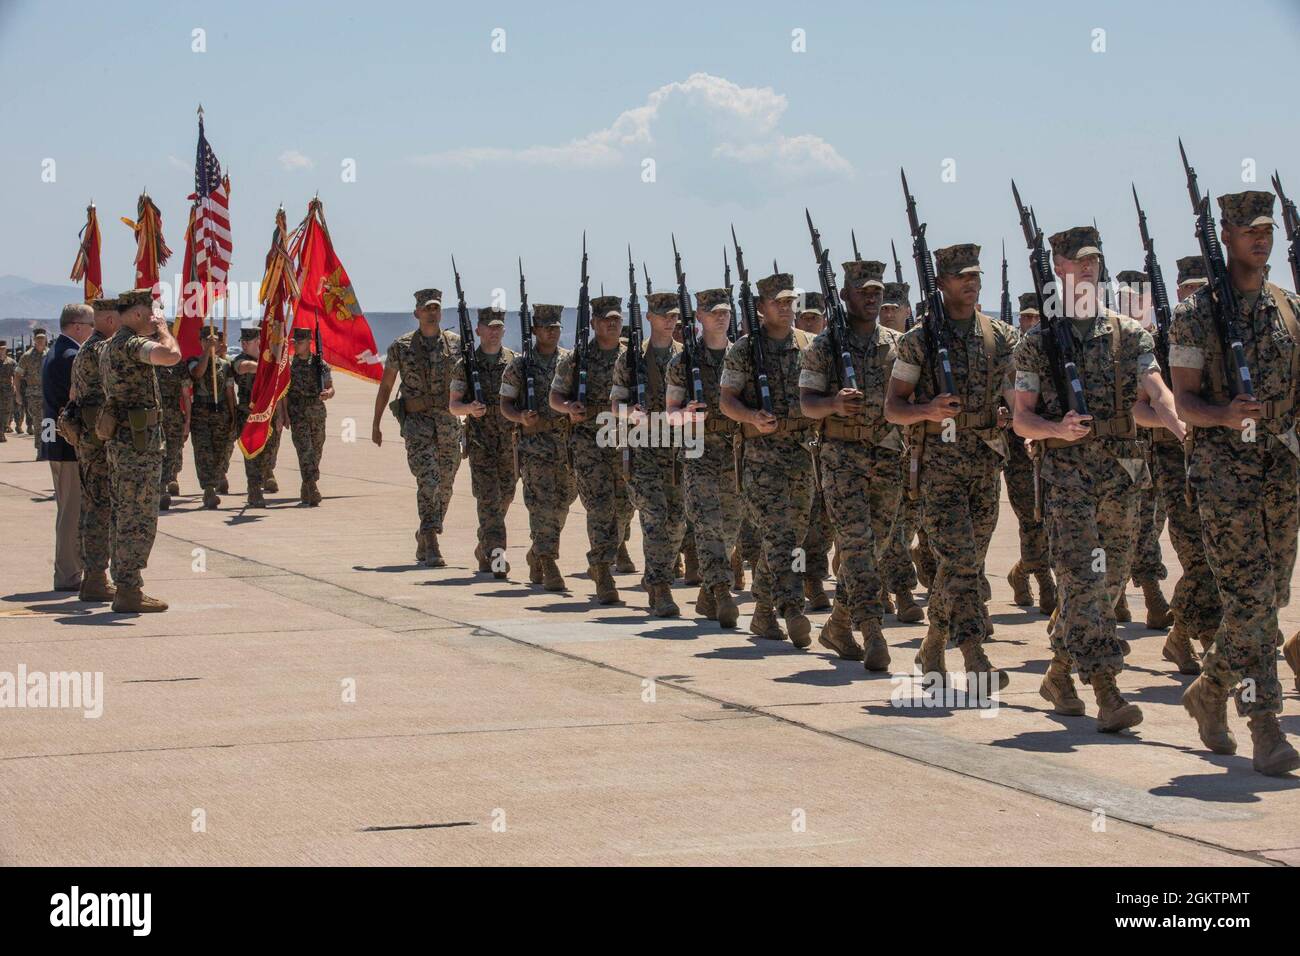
[106,425]
[138,420]
[68,425]
[398,409]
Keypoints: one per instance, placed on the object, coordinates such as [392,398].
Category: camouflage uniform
[171,383]
[33,400]
[1148,562]
[709,490]
[959,477]
[652,483]
[307,414]
[896,565]
[1091,487]
[129,382]
[777,469]
[95,526]
[862,470]
[431,432]
[1019,474]
[262,466]
[1246,490]
[210,425]
[1196,597]
[7,368]
[491,453]
[598,471]
[549,488]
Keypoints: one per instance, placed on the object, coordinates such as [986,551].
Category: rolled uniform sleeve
[675,379]
[1030,364]
[1186,342]
[1146,354]
[456,386]
[907,366]
[813,369]
[562,384]
[736,367]
[511,379]
[620,387]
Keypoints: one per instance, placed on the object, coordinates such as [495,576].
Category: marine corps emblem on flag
[338,295]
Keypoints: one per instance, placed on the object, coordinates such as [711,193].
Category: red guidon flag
[279,296]
[86,268]
[151,253]
[191,300]
[328,303]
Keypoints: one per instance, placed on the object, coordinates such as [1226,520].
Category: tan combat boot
[764,624]
[255,497]
[210,499]
[706,604]
[1159,616]
[691,572]
[1046,591]
[1206,700]
[988,622]
[1021,596]
[814,592]
[1122,613]
[921,561]
[1291,651]
[304,492]
[909,612]
[552,579]
[606,592]
[432,555]
[534,567]
[623,563]
[797,626]
[837,634]
[976,661]
[271,485]
[737,570]
[174,488]
[95,587]
[1273,755]
[500,570]
[930,657]
[223,487]
[316,497]
[481,557]
[728,612]
[1178,650]
[1114,713]
[1058,690]
[875,652]
[886,601]
[419,547]
[165,502]
[661,601]
[135,601]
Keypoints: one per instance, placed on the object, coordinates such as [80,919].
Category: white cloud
[293,160]
[177,163]
[679,125]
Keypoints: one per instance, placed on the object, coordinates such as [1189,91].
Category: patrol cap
[813,302]
[1250,208]
[604,306]
[860,273]
[896,294]
[1131,278]
[300,334]
[664,303]
[1076,242]
[133,298]
[38,331]
[779,285]
[957,260]
[708,300]
[547,314]
[208,332]
[424,296]
[1191,271]
[492,315]
[1029,303]
[105,305]
[249,332]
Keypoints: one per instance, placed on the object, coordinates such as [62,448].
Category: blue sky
[496,155]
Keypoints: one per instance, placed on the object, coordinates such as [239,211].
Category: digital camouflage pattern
[29,364]
[1196,597]
[776,470]
[1018,472]
[712,503]
[306,415]
[1091,489]
[860,273]
[862,477]
[1245,491]
[1076,242]
[95,525]
[261,467]
[490,440]
[549,488]
[598,471]
[1148,562]
[7,368]
[1254,207]
[959,477]
[433,435]
[958,259]
[211,427]
[651,484]
[129,382]
[172,381]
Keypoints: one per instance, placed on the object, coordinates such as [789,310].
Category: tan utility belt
[965,420]
[784,426]
[418,404]
[545,425]
[151,417]
[89,414]
[1122,427]
[842,430]
[719,426]
[1163,436]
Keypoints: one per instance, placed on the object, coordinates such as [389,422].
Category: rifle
[635,354]
[733,326]
[937,345]
[467,339]
[689,343]
[649,289]
[1159,295]
[1291,220]
[753,332]
[1223,298]
[318,364]
[837,325]
[1103,274]
[898,266]
[526,330]
[857,256]
[582,332]
[1058,339]
[1007,314]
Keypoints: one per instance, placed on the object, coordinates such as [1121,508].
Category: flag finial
[200,110]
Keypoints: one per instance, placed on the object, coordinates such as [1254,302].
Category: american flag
[212,214]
